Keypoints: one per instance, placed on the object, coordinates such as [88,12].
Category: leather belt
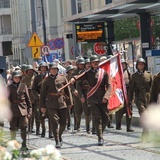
[56,94]
[18,101]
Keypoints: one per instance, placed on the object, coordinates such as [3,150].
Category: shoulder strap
[100,77]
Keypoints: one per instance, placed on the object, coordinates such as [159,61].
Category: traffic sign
[51,44]
[59,43]
[36,52]
[46,50]
[100,48]
[35,41]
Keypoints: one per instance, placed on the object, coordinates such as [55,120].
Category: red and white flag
[114,69]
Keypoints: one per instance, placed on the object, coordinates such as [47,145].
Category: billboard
[90,32]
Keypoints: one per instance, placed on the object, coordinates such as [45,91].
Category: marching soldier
[98,95]
[55,102]
[69,71]
[36,88]
[85,87]
[140,85]
[77,102]
[119,114]
[155,89]
[20,107]
[28,80]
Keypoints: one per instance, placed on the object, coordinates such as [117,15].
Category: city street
[118,145]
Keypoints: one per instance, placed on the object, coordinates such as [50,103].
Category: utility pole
[33,15]
[43,22]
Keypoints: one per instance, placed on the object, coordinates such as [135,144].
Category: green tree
[126,28]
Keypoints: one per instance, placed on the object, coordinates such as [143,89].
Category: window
[108,1]
[4,3]
[79,6]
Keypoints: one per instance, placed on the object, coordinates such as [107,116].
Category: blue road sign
[51,44]
[59,43]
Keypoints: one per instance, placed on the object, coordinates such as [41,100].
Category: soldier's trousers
[87,114]
[100,117]
[119,115]
[58,119]
[142,110]
[19,123]
[78,110]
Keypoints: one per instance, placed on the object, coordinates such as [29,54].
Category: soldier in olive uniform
[28,80]
[20,107]
[85,87]
[140,86]
[99,98]
[36,88]
[55,102]
[69,71]
[77,102]
[155,89]
[119,114]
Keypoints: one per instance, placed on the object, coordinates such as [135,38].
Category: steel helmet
[16,73]
[80,60]
[43,64]
[53,65]
[140,60]
[23,67]
[94,58]
[70,67]
[29,67]
[87,60]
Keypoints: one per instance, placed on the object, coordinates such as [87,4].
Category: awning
[116,10]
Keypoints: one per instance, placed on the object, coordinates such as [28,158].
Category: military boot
[88,129]
[43,133]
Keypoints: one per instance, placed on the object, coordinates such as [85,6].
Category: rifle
[75,77]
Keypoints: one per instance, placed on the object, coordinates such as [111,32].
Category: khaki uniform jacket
[20,102]
[140,85]
[75,73]
[48,97]
[28,81]
[104,90]
[37,85]
[155,89]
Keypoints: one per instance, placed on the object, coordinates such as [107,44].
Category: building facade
[5,28]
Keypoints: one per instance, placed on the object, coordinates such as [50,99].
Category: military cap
[87,60]
[80,60]
[70,67]
[53,65]
[43,64]
[16,73]
[23,67]
[94,58]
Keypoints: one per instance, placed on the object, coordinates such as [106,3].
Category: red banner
[114,69]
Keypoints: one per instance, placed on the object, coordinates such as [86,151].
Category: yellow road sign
[36,52]
[35,41]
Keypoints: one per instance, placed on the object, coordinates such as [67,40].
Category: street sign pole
[44,24]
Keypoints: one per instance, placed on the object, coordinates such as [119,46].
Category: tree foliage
[126,28]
